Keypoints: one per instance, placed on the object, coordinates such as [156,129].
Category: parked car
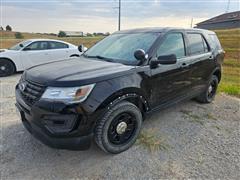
[33,52]
[107,92]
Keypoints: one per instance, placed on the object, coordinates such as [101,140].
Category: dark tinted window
[40,45]
[173,44]
[206,49]
[215,42]
[57,45]
[197,44]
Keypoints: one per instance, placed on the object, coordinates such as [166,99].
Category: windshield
[18,47]
[121,47]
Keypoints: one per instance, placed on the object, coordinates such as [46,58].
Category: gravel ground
[203,143]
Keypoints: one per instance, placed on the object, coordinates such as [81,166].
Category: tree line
[18,35]
[8,28]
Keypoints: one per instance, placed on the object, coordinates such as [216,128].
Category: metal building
[223,21]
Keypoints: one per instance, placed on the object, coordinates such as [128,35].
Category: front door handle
[184,65]
[211,57]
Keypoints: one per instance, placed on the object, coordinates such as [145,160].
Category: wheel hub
[3,68]
[210,88]
[121,127]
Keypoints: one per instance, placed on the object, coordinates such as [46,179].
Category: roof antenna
[191,22]
[228,4]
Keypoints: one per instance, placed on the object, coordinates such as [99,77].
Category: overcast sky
[102,15]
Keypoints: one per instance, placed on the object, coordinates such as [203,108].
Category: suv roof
[160,29]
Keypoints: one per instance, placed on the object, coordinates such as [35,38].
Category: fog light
[59,123]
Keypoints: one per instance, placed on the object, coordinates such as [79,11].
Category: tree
[89,34]
[62,34]
[1,28]
[18,35]
[8,28]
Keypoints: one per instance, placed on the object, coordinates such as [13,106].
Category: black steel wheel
[209,94]
[6,67]
[212,89]
[118,129]
[122,128]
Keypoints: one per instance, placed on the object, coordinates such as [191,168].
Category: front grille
[31,92]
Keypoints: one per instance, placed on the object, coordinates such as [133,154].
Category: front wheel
[119,128]
[209,94]
[6,67]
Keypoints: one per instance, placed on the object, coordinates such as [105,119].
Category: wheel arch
[8,59]
[133,95]
[217,72]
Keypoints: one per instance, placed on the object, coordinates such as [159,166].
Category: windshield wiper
[100,57]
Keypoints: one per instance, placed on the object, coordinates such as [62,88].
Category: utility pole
[119,15]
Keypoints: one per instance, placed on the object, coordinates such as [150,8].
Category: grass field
[230,40]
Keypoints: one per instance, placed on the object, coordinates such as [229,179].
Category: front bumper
[62,128]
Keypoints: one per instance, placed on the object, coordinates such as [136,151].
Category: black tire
[108,138]
[6,67]
[209,94]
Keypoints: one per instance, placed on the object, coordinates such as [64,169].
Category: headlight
[68,94]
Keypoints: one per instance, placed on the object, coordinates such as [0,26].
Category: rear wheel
[118,129]
[6,67]
[209,94]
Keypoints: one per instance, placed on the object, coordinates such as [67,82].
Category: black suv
[107,92]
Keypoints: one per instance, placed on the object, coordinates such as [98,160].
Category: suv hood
[75,72]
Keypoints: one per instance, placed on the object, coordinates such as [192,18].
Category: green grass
[210,116]
[230,83]
[192,117]
[149,139]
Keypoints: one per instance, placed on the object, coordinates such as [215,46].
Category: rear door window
[197,44]
[57,45]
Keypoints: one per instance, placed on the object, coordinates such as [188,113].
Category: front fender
[14,58]
[107,91]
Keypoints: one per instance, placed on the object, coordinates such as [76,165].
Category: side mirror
[82,48]
[167,59]
[21,45]
[140,55]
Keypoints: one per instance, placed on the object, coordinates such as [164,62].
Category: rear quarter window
[215,43]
